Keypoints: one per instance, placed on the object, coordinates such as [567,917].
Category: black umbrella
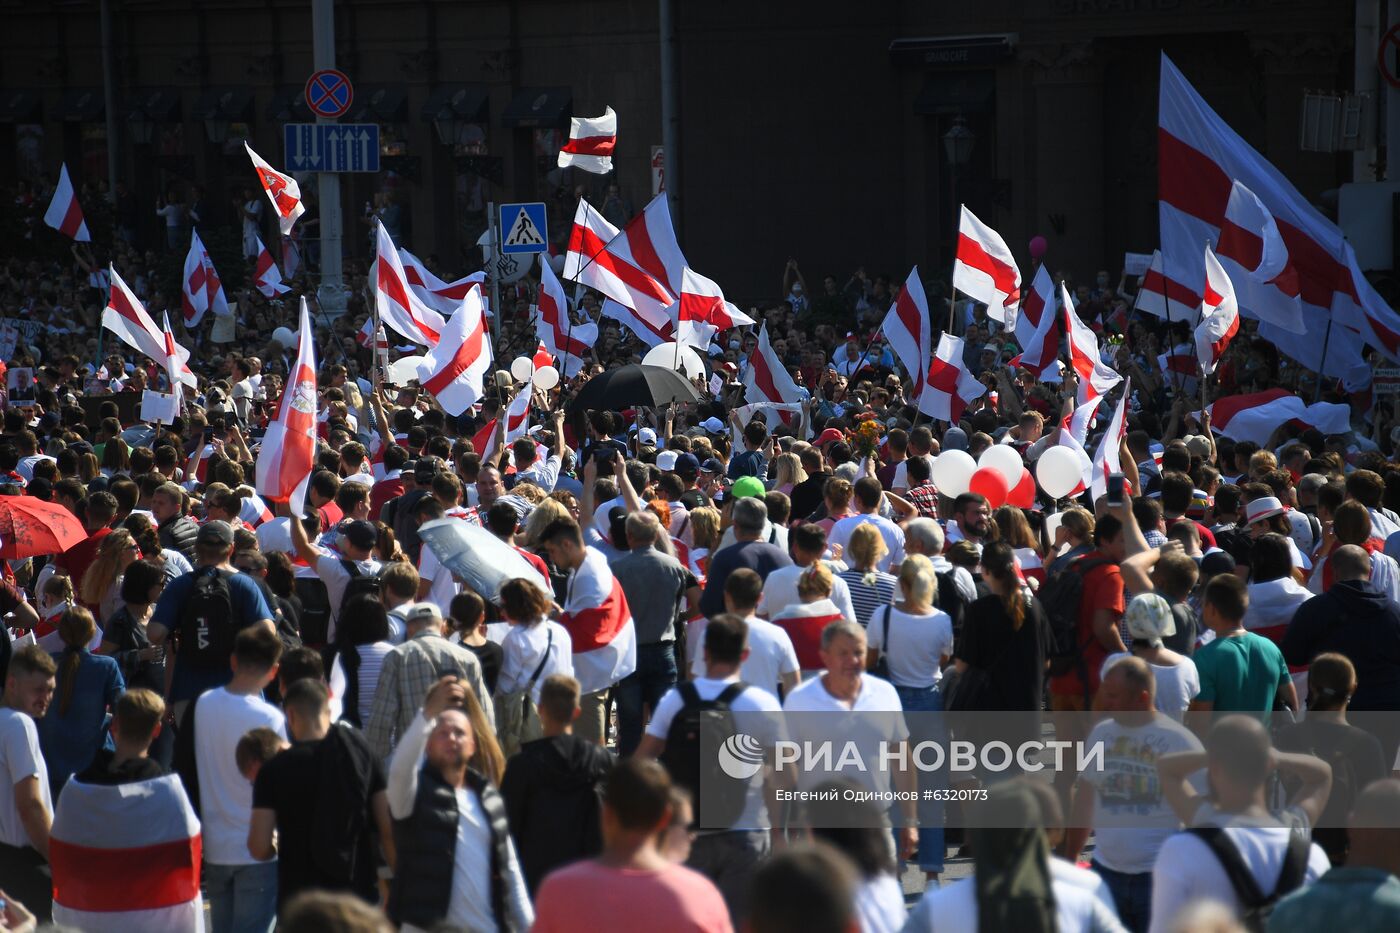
[634,385]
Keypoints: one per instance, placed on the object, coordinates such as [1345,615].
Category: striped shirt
[866,598]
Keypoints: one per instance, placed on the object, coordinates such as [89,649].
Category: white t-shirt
[763,722]
[770,654]
[225,795]
[1187,870]
[337,578]
[1177,684]
[892,533]
[900,480]
[1131,817]
[443,587]
[25,467]
[880,905]
[19,758]
[918,644]
[523,648]
[870,735]
[952,908]
[780,591]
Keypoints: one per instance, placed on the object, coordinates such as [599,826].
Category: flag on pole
[443,297]
[517,424]
[125,317]
[454,370]
[567,343]
[266,278]
[642,327]
[201,290]
[984,268]
[1041,341]
[588,261]
[648,242]
[949,387]
[591,143]
[171,359]
[1095,376]
[1252,253]
[288,450]
[767,379]
[1166,299]
[65,214]
[908,329]
[1032,310]
[700,312]
[399,307]
[1074,433]
[1106,459]
[282,190]
[1220,316]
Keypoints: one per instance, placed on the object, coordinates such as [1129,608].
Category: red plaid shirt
[925,499]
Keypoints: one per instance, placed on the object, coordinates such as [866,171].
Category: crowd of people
[366,740]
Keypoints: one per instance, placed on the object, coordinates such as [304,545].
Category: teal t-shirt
[1241,674]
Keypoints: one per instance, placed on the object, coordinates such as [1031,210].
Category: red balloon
[991,485]
[1023,496]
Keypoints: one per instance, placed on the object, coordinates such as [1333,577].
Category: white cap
[666,460]
[646,437]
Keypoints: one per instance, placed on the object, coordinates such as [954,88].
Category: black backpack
[361,584]
[1255,906]
[315,609]
[206,622]
[1061,597]
[724,796]
[951,600]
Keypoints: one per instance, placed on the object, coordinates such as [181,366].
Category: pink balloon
[1023,496]
[991,485]
[1038,247]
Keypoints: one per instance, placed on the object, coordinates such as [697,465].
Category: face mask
[733,344]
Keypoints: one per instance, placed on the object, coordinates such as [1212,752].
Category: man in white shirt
[26,807]
[924,536]
[866,498]
[727,856]
[920,445]
[242,891]
[355,562]
[528,466]
[771,661]
[27,446]
[808,544]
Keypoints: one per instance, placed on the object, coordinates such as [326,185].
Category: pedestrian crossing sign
[523,228]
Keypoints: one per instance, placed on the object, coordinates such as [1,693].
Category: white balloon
[522,368]
[952,471]
[1059,470]
[1005,460]
[546,377]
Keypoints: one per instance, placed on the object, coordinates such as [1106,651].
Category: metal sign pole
[495,227]
[331,294]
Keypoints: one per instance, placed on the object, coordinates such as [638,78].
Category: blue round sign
[328,93]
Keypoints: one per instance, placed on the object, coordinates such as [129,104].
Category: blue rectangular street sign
[523,228]
[332,147]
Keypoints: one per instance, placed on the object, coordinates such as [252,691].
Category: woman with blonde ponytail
[72,731]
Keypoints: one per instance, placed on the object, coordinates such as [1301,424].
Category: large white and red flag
[125,317]
[908,329]
[1169,300]
[949,386]
[1252,252]
[288,449]
[443,297]
[1255,417]
[591,143]
[1107,459]
[648,242]
[567,342]
[700,311]
[1199,159]
[1037,299]
[589,262]
[254,511]
[455,370]
[984,268]
[1220,316]
[517,416]
[266,277]
[282,190]
[125,858]
[399,307]
[1074,434]
[1036,330]
[171,359]
[766,379]
[645,329]
[599,624]
[201,289]
[65,214]
[1095,376]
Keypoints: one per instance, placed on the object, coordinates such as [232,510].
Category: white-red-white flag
[643,328]
[399,308]
[567,342]
[908,329]
[454,370]
[282,190]
[599,622]
[517,416]
[443,297]
[984,268]
[1252,253]
[1074,432]
[1164,298]
[949,387]
[1095,376]
[1106,459]
[171,359]
[700,311]
[591,143]
[201,289]
[1220,316]
[766,379]
[254,511]
[589,262]
[1255,417]
[288,449]
[65,214]
[1036,330]
[125,317]
[266,277]
[1037,299]
[648,242]
[1081,419]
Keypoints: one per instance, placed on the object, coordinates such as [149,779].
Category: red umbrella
[29,527]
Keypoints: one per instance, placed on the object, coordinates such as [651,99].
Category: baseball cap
[713,425]
[829,435]
[646,437]
[748,486]
[666,460]
[1217,562]
[215,532]
[711,465]
[688,464]
[1198,444]
[1149,619]
[955,439]
[426,468]
[359,533]
[420,612]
